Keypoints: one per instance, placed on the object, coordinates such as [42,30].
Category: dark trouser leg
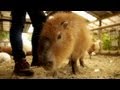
[18,19]
[21,65]
[37,18]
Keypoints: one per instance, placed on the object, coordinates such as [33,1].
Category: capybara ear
[64,24]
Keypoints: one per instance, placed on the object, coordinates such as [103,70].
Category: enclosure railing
[110,37]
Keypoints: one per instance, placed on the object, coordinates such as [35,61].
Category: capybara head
[57,39]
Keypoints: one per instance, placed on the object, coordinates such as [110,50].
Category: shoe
[22,68]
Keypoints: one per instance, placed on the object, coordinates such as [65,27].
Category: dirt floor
[99,67]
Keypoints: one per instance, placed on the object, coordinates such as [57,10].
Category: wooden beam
[118,14]
[110,15]
[27,26]
[91,13]
[106,26]
[109,12]
[112,20]
[9,19]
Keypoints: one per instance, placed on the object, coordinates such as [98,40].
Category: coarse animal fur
[64,36]
[95,47]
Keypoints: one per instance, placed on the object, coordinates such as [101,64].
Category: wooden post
[100,32]
[118,40]
[1,23]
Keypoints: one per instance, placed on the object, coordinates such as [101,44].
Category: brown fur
[92,49]
[6,49]
[64,36]
[95,47]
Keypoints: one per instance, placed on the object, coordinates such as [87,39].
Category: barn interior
[102,63]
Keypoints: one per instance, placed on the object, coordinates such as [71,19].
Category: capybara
[64,36]
[95,47]
[91,50]
[4,57]
[6,49]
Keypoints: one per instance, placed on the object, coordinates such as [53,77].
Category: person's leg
[37,18]
[17,25]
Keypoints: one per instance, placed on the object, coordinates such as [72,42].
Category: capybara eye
[59,36]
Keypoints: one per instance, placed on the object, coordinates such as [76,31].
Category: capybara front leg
[73,63]
[81,62]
